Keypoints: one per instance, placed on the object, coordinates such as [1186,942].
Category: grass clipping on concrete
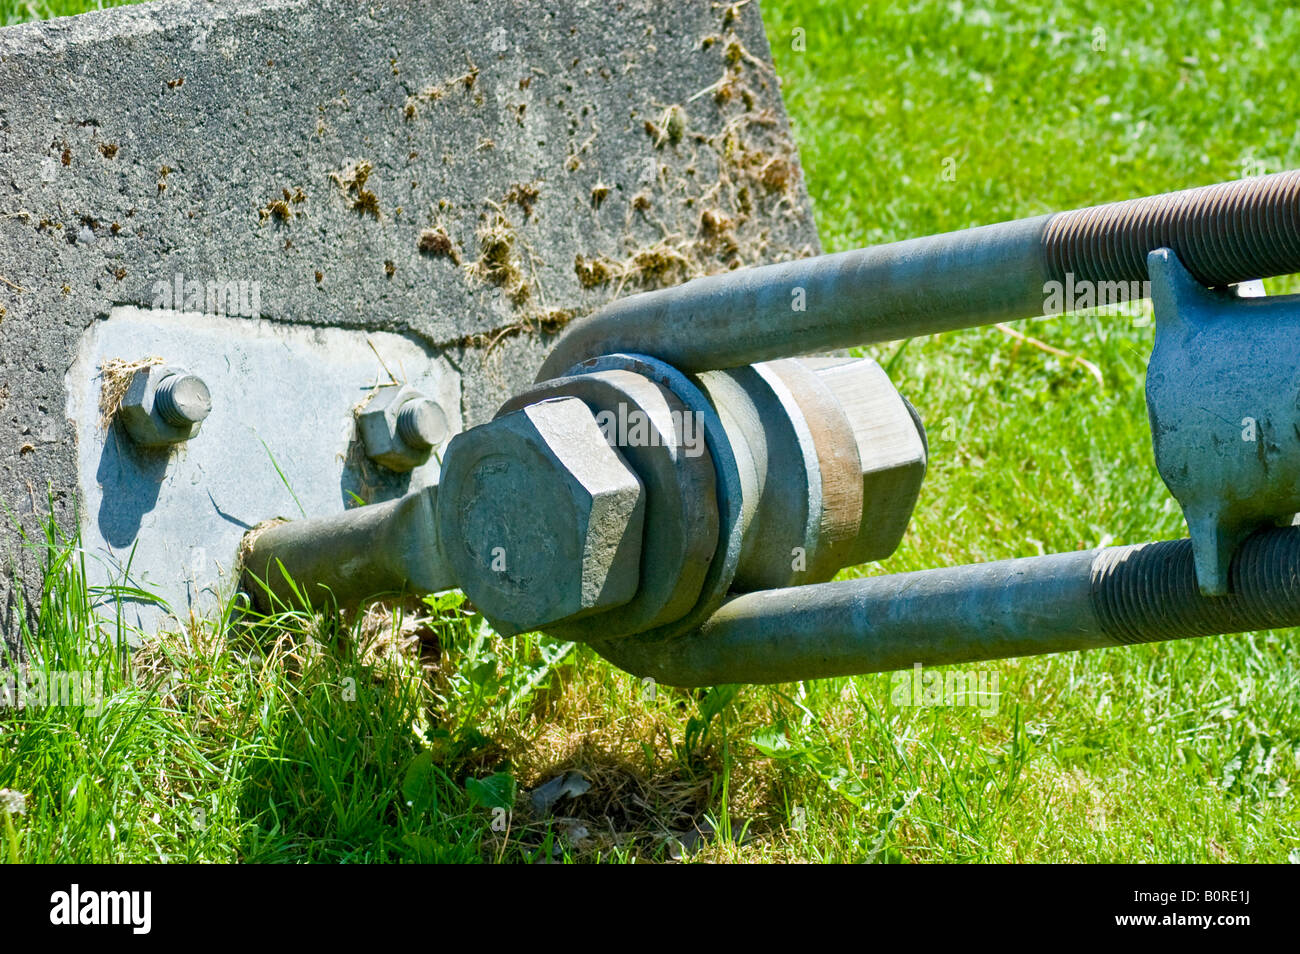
[115,375]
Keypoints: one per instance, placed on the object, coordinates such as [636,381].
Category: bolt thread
[1148,592]
[409,429]
[1223,234]
[165,402]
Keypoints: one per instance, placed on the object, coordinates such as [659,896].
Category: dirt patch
[621,806]
[436,242]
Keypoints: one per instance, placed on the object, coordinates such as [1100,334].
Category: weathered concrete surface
[473,174]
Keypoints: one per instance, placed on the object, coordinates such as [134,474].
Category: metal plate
[280,442]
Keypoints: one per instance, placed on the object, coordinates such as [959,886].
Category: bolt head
[540,518]
[142,414]
[400,427]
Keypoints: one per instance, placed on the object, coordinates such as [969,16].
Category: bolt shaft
[344,559]
[421,424]
[182,400]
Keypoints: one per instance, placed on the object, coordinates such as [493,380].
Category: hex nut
[540,518]
[400,427]
[164,406]
[680,535]
[892,452]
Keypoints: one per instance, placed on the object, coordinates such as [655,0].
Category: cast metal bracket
[1223,396]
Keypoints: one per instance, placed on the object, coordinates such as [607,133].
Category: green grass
[21,11]
[1169,752]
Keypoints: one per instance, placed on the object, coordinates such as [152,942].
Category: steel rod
[1224,234]
[1056,603]
[344,559]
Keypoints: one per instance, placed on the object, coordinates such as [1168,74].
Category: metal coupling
[626,500]
[1223,398]
[771,475]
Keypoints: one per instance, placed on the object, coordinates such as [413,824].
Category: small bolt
[164,406]
[183,399]
[421,424]
[400,427]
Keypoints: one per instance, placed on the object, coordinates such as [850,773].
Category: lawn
[416,733]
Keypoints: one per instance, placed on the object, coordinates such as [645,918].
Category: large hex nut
[664,443]
[164,405]
[892,451]
[540,518]
[400,427]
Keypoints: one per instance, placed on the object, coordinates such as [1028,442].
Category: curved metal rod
[1224,234]
[1025,607]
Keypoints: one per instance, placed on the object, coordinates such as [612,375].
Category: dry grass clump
[651,767]
[659,265]
[281,209]
[116,374]
[250,538]
[351,180]
[436,91]
[670,129]
[525,196]
[498,262]
[596,271]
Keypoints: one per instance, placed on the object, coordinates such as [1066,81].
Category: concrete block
[465,176]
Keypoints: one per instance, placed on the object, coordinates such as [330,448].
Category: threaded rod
[1056,603]
[1223,234]
[1146,593]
